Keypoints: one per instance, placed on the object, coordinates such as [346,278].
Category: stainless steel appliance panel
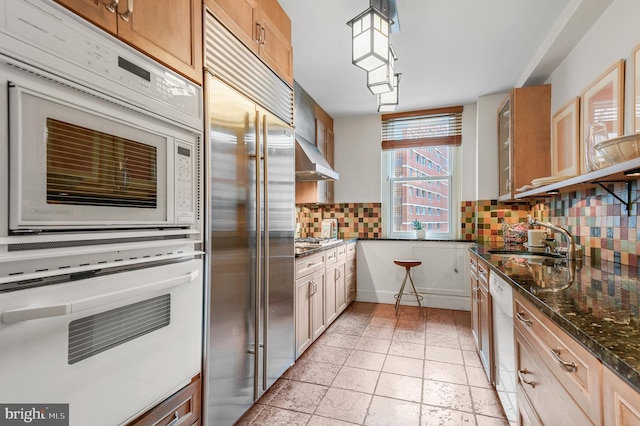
[251,228]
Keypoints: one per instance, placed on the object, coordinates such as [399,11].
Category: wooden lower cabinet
[309,309]
[621,402]
[181,409]
[351,282]
[481,314]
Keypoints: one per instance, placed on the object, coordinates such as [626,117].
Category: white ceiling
[450,52]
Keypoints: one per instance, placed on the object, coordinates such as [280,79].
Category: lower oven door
[111,346]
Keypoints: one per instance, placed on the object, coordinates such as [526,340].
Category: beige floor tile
[371,344]
[486,402]
[439,353]
[345,405]
[383,322]
[274,416]
[491,421]
[250,415]
[330,354]
[447,395]
[403,366]
[471,358]
[442,328]
[379,332]
[477,377]
[386,411]
[299,396]
[384,313]
[273,391]
[325,421]
[319,373]
[399,387]
[409,336]
[411,350]
[445,372]
[367,360]
[345,328]
[356,379]
[411,325]
[447,341]
[438,416]
[337,340]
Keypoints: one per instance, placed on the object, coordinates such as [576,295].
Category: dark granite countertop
[599,308]
[306,251]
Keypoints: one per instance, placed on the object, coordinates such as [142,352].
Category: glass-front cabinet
[524,139]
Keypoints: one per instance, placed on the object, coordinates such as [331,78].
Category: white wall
[358,157]
[611,38]
[442,279]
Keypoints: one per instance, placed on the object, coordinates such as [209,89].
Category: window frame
[453,179]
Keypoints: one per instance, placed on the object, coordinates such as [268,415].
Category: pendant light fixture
[370,36]
[387,102]
[380,80]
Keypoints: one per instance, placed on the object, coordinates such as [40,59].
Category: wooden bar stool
[407,265]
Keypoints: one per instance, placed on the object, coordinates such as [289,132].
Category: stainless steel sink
[531,256]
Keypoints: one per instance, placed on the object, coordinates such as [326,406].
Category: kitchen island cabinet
[170,31]
[263,26]
[524,139]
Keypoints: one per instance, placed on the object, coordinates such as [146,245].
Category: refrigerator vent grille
[97,333]
[231,61]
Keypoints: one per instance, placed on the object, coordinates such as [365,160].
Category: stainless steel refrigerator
[250,217]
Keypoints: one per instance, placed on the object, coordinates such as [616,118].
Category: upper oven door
[78,161]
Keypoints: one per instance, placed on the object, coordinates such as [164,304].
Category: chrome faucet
[571,249]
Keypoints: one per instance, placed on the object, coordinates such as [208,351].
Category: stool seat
[407,265]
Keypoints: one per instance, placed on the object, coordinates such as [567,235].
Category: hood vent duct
[310,163]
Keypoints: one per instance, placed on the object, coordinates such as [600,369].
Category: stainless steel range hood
[310,163]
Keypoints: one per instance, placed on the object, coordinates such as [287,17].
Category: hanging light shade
[387,102]
[370,39]
[380,80]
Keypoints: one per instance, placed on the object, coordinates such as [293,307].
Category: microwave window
[92,168]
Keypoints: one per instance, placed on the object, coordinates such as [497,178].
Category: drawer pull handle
[175,421]
[111,7]
[527,322]
[310,264]
[521,374]
[571,367]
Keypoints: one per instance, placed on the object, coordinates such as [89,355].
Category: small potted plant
[421,233]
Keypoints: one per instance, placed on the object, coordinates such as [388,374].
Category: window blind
[431,127]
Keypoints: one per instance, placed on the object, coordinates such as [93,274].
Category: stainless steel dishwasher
[503,345]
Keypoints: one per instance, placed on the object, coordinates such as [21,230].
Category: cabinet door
[303,314]
[621,402]
[331,293]
[275,47]
[504,149]
[95,11]
[318,310]
[240,16]
[168,30]
[341,290]
[475,309]
[485,333]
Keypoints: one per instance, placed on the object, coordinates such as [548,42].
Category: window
[427,142]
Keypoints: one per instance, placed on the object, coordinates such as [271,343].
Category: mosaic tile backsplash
[597,219]
[355,220]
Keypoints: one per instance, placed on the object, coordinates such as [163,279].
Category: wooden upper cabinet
[240,16]
[170,31]
[524,139]
[263,26]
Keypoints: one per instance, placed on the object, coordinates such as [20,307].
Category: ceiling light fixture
[370,36]
[387,102]
[380,80]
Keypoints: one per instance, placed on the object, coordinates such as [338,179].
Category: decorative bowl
[620,149]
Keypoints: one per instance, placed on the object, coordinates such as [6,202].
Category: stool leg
[399,295]
[415,292]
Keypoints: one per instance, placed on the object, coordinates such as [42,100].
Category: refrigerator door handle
[265,323]
[258,268]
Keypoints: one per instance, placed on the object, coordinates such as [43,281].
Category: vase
[421,234]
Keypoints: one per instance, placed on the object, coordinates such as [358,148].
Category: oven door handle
[47,311]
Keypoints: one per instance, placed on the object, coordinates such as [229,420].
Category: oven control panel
[49,37]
